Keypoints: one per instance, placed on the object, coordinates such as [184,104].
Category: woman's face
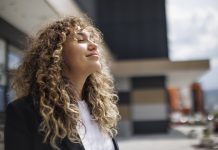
[81,55]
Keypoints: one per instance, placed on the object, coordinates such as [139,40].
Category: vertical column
[150,111]
[124,126]
[2,74]
[2,87]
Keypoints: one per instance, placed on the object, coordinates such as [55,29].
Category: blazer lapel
[115,144]
[68,145]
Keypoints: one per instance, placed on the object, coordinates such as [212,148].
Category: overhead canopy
[178,73]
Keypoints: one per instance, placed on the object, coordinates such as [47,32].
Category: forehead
[85,31]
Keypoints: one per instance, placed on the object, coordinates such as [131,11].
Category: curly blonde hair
[41,75]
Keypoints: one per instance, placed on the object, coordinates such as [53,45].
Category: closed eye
[80,40]
[80,37]
[83,37]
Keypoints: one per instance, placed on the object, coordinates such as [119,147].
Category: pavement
[176,139]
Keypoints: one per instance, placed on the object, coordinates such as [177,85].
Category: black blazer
[22,122]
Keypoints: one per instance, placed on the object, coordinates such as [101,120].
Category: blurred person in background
[66,97]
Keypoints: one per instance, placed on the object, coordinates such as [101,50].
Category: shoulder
[22,104]
[25,100]
[21,113]
[23,107]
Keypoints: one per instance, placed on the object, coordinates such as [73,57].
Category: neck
[78,82]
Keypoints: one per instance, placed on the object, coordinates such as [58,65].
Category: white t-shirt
[92,138]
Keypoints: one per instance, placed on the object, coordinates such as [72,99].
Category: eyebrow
[82,34]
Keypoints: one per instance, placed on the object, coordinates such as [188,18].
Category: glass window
[14,57]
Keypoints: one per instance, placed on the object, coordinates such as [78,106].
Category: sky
[193,34]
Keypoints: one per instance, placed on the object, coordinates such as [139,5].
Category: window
[14,58]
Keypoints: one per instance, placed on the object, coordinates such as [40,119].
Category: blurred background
[164,61]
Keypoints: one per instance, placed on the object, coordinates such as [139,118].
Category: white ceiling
[29,15]
[26,15]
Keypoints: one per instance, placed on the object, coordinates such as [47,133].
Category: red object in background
[173,99]
[197,95]
[186,111]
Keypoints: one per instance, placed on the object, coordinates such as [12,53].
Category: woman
[66,97]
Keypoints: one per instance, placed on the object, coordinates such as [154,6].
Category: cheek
[81,46]
[75,56]
[72,59]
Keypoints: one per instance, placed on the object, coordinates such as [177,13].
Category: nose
[92,46]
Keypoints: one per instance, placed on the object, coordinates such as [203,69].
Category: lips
[92,54]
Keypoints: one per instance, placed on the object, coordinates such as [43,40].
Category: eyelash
[84,40]
[80,40]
